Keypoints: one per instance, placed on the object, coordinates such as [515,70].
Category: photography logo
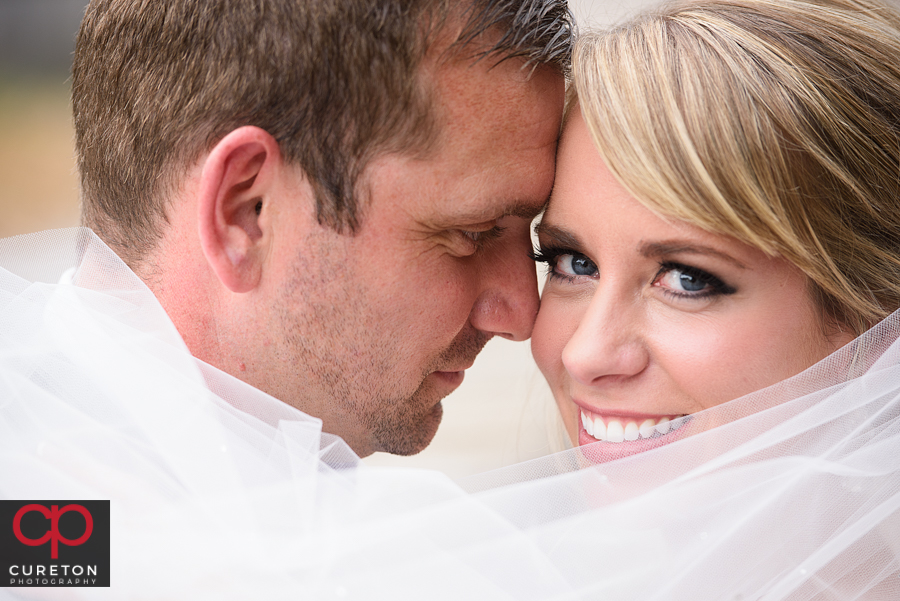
[54,543]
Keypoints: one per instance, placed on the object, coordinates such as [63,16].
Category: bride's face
[644,320]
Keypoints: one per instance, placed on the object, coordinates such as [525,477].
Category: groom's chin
[409,434]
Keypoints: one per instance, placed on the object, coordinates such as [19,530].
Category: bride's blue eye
[575,265]
[565,263]
[689,282]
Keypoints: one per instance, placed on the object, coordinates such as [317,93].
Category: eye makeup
[688,282]
[578,264]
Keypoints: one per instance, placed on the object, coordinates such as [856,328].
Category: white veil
[220,491]
[792,492]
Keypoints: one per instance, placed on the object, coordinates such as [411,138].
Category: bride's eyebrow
[557,236]
[661,249]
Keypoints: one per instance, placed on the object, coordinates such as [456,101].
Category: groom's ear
[239,177]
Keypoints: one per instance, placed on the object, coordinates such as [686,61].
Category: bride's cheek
[552,331]
[548,339]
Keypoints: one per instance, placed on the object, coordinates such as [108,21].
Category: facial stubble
[346,352]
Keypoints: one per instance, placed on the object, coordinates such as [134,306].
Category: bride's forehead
[589,202]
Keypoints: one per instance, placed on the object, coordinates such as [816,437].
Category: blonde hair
[776,122]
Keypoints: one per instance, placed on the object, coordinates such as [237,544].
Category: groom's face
[384,323]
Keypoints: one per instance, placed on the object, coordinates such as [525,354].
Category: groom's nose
[508,300]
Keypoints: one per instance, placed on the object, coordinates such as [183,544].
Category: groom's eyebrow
[524,209]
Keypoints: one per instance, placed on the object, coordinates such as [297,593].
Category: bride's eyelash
[716,286]
[549,255]
[545,254]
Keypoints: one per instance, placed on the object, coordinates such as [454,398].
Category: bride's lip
[615,434]
[620,414]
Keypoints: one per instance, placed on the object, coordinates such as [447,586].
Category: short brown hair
[776,122]
[157,82]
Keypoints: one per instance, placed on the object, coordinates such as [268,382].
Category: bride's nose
[607,344]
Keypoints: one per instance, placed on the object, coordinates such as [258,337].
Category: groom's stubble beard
[414,421]
[344,353]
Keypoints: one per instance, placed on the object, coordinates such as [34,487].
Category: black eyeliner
[716,284]
[549,254]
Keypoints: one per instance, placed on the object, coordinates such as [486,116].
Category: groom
[330,198]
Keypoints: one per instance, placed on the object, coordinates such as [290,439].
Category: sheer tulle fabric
[220,491]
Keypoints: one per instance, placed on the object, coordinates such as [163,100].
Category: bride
[725,212]
[718,326]
[718,329]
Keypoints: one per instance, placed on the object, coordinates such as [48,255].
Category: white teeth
[613,431]
[631,431]
[663,426]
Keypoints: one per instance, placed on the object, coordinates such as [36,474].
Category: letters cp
[53,514]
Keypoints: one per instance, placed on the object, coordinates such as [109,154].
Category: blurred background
[38,184]
[503,412]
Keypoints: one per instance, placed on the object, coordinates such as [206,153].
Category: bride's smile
[645,320]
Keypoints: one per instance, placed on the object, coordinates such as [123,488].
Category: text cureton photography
[54,543]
